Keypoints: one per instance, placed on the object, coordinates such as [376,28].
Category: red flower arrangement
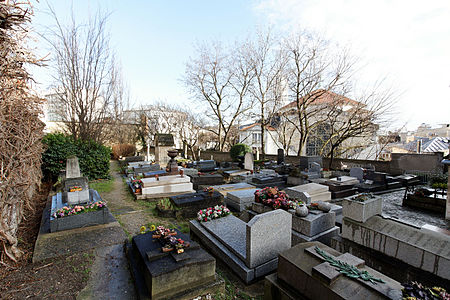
[274,198]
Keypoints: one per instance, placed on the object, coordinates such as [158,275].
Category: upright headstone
[248,161]
[72,167]
[267,235]
[76,189]
[315,167]
[280,156]
[358,173]
[305,161]
[163,143]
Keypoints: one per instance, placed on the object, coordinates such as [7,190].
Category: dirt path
[131,214]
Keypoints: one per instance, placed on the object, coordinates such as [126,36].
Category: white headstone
[72,168]
[358,173]
[248,161]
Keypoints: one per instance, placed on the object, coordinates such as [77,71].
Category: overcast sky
[406,42]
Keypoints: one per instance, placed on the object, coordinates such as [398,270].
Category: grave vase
[302,210]
[362,211]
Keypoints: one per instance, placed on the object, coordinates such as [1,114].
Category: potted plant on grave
[165,208]
[209,190]
[162,232]
[361,207]
[136,186]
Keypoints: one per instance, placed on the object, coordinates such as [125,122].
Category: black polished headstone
[280,156]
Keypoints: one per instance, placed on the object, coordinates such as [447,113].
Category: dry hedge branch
[21,130]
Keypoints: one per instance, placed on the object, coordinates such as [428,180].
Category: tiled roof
[438,144]
[323,97]
[255,124]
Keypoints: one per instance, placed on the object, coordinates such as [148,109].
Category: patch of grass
[123,227]
[231,291]
[183,226]
[83,267]
[102,185]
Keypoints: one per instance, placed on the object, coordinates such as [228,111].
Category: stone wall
[411,162]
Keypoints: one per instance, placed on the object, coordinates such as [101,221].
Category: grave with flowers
[313,222]
[77,205]
[187,205]
[249,249]
[166,264]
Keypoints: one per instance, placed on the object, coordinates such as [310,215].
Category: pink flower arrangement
[274,198]
[78,209]
[212,213]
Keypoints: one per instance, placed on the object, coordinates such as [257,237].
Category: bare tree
[358,121]
[87,79]
[220,79]
[189,131]
[268,63]
[313,71]
[21,130]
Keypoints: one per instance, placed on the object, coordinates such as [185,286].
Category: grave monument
[249,249]
[169,275]
[313,270]
[163,143]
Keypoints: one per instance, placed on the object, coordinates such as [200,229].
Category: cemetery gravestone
[250,249]
[248,161]
[239,200]
[358,173]
[305,161]
[72,168]
[308,274]
[76,189]
[169,275]
[280,156]
[164,143]
[190,204]
[310,192]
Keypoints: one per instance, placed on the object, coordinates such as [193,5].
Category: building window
[256,138]
[317,139]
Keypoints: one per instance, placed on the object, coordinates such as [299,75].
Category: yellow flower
[152,228]
[143,229]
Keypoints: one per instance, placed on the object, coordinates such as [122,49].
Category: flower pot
[361,211]
[302,211]
[156,236]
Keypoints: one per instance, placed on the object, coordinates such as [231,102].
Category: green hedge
[93,157]
[239,150]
